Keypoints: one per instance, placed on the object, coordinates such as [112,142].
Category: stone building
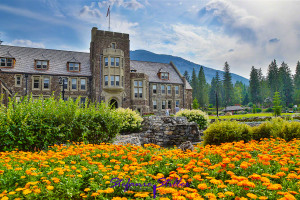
[105,74]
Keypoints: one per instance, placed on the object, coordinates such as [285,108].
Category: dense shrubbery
[130,120]
[198,116]
[229,131]
[29,124]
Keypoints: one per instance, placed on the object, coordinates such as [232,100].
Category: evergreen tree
[212,92]
[286,83]
[195,104]
[203,92]
[272,77]
[276,102]
[228,87]
[254,86]
[297,84]
[238,93]
[187,76]
[194,84]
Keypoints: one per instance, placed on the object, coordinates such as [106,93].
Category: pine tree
[297,84]
[203,93]
[194,84]
[272,77]
[219,87]
[254,86]
[195,104]
[187,76]
[227,84]
[276,102]
[212,92]
[285,83]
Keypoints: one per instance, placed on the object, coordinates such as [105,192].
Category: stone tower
[110,67]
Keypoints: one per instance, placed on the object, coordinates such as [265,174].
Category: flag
[108,11]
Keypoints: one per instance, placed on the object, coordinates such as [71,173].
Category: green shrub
[268,110]
[130,120]
[36,124]
[227,131]
[198,116]
[258,110]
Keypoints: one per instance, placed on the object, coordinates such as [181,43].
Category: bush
[258,110]
[198,116]
[227,131]
[277,127]
[268,110]
[36,124]
[130,120]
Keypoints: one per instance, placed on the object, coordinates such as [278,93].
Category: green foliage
[276,102]
[36,124]
[269,110]
[198,116]
[195,104]
[130,120]
[230,131]
[254,108]
[226,131]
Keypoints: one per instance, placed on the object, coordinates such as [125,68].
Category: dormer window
[73,66]
[113,45]
[164,76]
[6,62]
[41,64]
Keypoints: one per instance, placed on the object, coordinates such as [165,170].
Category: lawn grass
[251,115]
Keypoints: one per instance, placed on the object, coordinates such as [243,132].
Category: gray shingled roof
[58,59]
[152,68]
[233,108]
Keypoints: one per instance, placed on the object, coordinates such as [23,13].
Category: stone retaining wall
[165,131]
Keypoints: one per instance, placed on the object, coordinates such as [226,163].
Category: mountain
[182,65]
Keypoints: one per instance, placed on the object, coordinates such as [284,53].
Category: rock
[186,146]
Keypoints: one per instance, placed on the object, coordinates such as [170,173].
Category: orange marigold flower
[202,186]
[252,196]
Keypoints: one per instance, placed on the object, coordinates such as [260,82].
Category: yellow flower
[27,191]
[87,189]
[50,187]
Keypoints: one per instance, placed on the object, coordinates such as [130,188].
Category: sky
[244,33]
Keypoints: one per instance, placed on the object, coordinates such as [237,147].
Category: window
[163,89]
[176,89]
[169,89]
[41,64]
[117,80]
[177,103]
[170,104]
[106,61]
[106,80]
[46,84]
[6,62]
[154,104]
[36,82]
[154,89]
[112,61]
[138,89]
[66,83]
[74,67]
[74,83]
[18,81]
[113,45]
[164,76]
[83,84]
[112,80]
[117,62]
[163,104]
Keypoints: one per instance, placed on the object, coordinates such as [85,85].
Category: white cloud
[90,14]
[26,43]
[129,4]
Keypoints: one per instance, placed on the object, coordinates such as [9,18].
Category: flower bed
[256,170]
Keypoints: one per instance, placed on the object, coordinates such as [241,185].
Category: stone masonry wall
[169,131]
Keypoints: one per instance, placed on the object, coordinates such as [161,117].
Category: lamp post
[26,78]
[62,83]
